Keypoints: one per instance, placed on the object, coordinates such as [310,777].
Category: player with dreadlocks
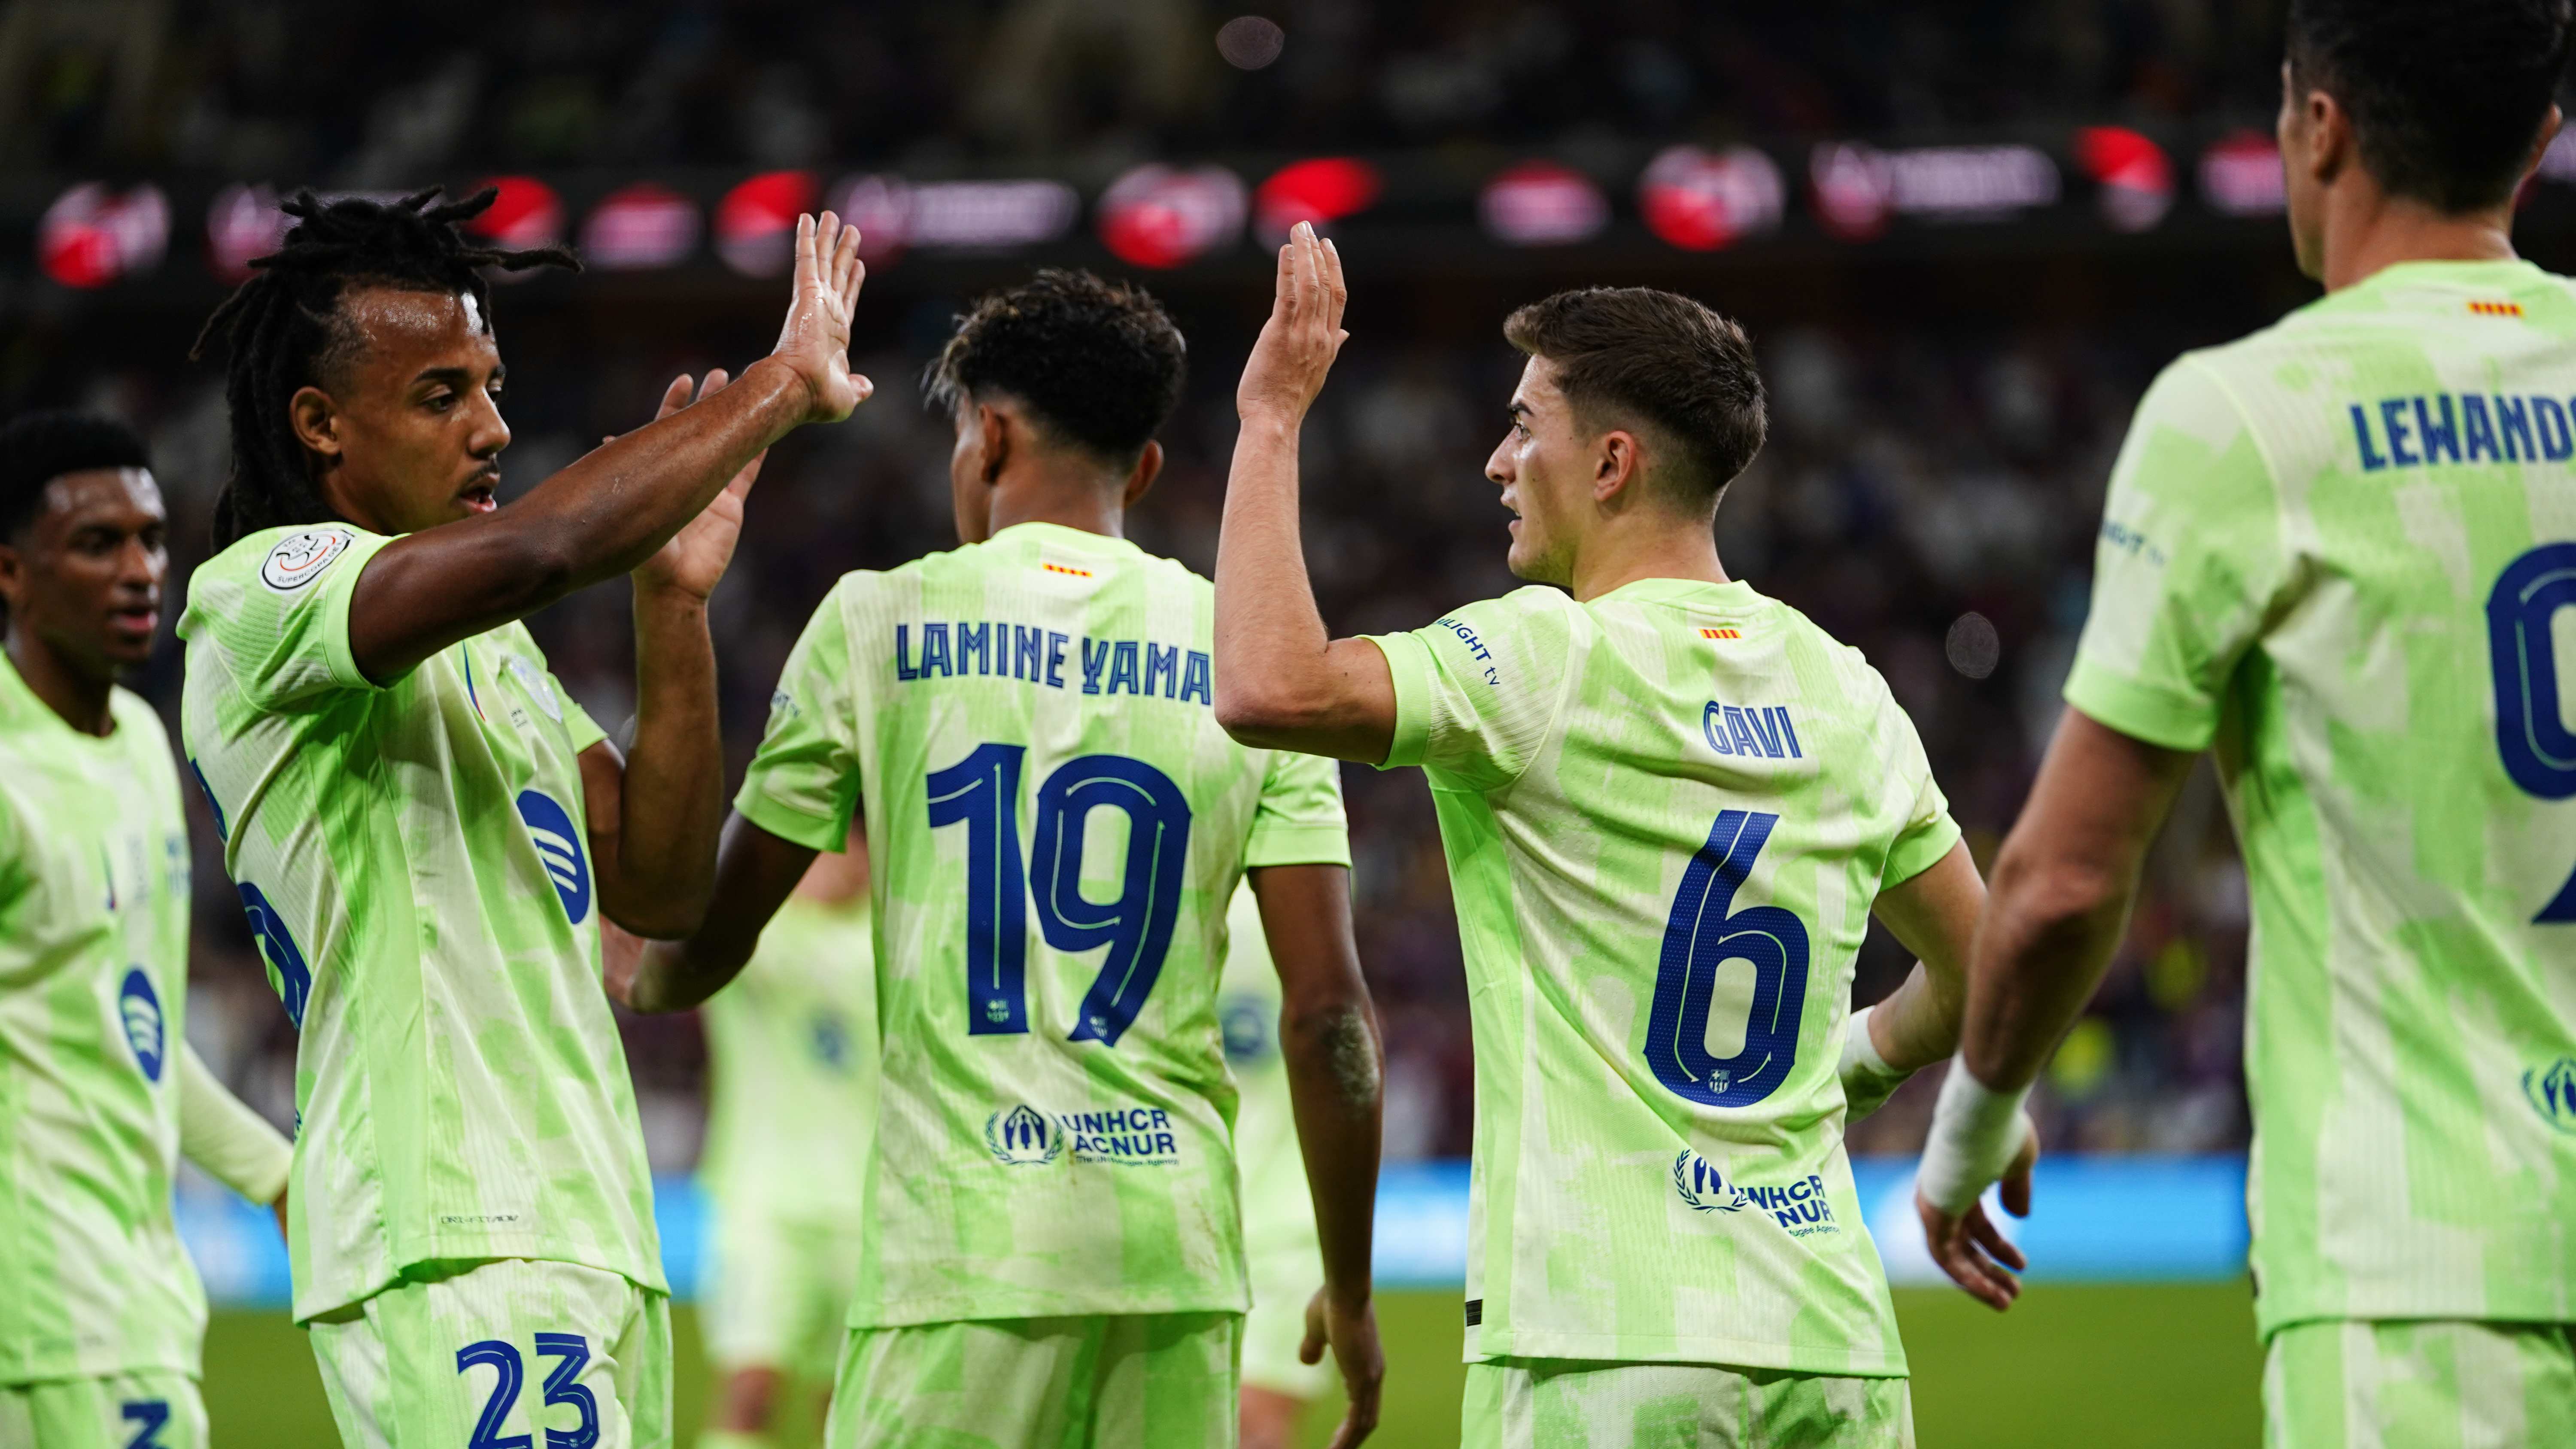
[426,831]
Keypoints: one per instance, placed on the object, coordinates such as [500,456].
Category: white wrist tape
[1868,1081]
[1976,1131]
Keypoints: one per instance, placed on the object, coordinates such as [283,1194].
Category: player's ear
[2549,125]
[1617,465]
[316,420]
[2329,136]
[996,430]
[1140,479]
[13,576]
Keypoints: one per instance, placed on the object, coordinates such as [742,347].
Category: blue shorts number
[2531,732]
[982,791]
[1703,933]
[574,1350]
[508,1373]
[149,1417]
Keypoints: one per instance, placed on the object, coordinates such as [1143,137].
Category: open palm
[695,558]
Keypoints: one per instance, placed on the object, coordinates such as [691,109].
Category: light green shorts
[479,1352]
[2433,1384]
[1160,1381]
[1580,1404]
[1283,1281]
[154,1409]
[776,1293]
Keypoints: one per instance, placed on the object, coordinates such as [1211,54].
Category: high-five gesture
[694,560]
[1304,333]
[816,338]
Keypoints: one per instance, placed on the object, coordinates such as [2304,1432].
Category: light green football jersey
[1667,813]
[1055,823]
[93,1011]
[415,867]
[2342,551]
[791,1047]
[1278,1208]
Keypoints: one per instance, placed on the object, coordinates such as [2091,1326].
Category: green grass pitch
[2106,1367]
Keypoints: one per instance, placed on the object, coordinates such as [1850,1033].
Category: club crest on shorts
[300,557]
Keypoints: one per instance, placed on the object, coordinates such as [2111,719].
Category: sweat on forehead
[373,319]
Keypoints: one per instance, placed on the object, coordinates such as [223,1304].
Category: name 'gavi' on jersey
[1667,813]
[1055,823]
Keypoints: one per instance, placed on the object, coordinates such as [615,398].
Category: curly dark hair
[1638,355]
[2446,96]
[287,331]
[1099,363]
[37,448]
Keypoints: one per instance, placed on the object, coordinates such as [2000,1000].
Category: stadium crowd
[370,95]
[1927,495]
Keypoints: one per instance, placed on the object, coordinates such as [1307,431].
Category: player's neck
[1615,562]
[69,691]
[2373,231]
[1065,496]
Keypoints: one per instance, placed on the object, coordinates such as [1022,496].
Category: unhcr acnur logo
[1022,1136]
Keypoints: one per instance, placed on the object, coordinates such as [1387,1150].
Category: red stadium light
[1161,216]
[756,221]
[1700,201]
[1317,192]
[1540,203]
[2136,181]
[526,214]
[2241,175]
[91,236]
[640,226]
[243,222]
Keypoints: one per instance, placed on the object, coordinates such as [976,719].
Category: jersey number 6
[982,792]
[1705,932]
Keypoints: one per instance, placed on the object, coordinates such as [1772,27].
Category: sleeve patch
[301,557]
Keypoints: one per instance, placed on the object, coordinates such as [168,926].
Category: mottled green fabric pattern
[1055,823]
[2340,553]
[93,1015]
[416,867]
[1667,813]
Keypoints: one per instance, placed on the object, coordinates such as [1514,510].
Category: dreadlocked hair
[285,329]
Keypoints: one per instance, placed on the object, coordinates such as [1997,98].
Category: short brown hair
[1659,358]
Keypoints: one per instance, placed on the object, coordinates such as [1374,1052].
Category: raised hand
[1304,334]
[694,561]
[816,338]
[1970,1248]
[1351,1333]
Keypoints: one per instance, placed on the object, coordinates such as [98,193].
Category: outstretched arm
[755,872]
[1282,682]
[615,507]
[1336,1073]
[235,1145]
[2060,899]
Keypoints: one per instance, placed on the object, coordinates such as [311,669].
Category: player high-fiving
[426,830]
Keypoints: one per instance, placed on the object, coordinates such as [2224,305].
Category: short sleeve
[1477,693]
[275,606]
[578,725]
[1927,832]
[1299,820]
[803,784]
[2187,568]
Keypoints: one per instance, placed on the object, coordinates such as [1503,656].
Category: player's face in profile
[1545,474]
[412,432]
[2298,184]
[85,575]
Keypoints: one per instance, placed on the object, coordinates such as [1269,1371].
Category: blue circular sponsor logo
[140,1009]
[559,845]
